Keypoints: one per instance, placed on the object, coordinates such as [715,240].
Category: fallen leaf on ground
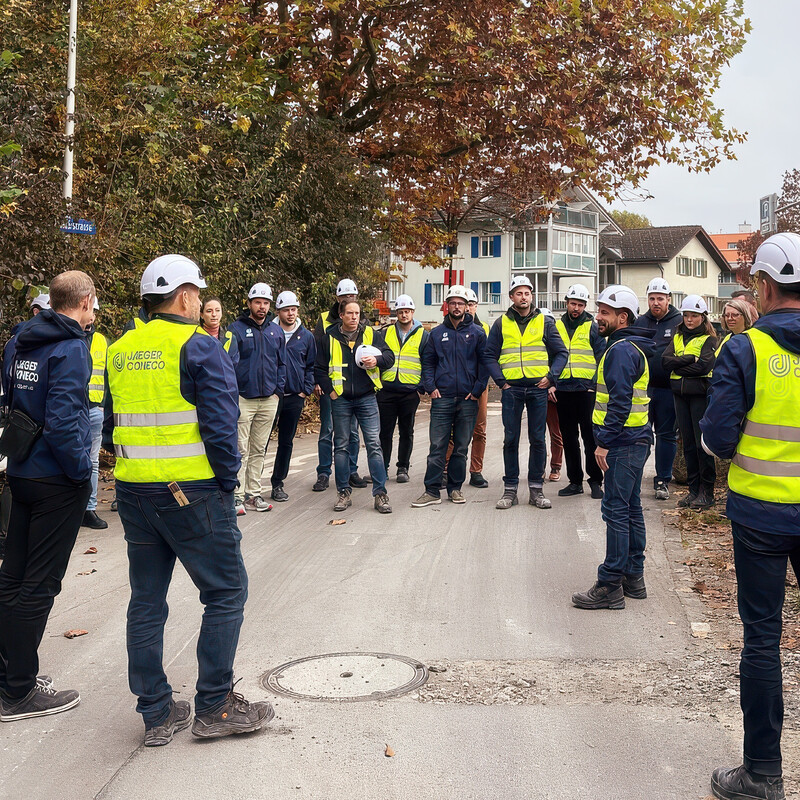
[72,634]
[388,752]
[88,572]
[90,551]
[337,522]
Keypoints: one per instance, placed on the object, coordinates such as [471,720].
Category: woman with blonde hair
[737,317]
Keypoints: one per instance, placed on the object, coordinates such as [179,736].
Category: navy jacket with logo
[261,371]
[455,360]
[662,332]
[301,352]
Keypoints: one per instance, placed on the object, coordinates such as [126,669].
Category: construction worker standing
[752,417]
[175,407]
[526,354]
[575,393]
[623,436]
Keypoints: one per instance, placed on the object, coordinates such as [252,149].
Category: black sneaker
[601,595]
[739,784]
[633,586]
[687,501]
[42,700]
[357,482]
[279,495]
[322,483]
[597,490]
[180,713]
[662,491]
[476,479]
[91,520]
[704,499]
[235,715]
[571,489]
[402,474]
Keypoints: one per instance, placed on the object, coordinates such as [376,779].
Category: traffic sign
[768,206]
[79,226]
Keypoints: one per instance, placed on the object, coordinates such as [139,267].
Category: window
[487,247]
[488,292]
[733,246]
[437,294]
[677,298]
[684,265]
[574,251]
[394,289]
[727,277]
[700,268]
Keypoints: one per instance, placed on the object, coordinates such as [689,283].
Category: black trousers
[400,409]
[574,417]
[700,468]
[289,410]
[45,517]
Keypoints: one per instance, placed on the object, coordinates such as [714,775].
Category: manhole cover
[346,677]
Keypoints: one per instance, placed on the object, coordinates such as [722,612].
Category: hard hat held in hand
[658,286]
[165,274]
[578,292]
[346,286]
[404,301]
[286,300]
[364,350]
[779,257]
[260,290]
[694,303]
[620,297]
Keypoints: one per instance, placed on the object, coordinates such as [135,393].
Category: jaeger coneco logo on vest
[138,361]
[781,365]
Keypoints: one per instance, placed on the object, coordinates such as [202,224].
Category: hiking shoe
[456,496]
[555,475]
[357,482]
[40,701]
[257,503]
[235,715]
[322,483]
[633,586]
[597,490]
[739,784]
[179,716]
[601,595]
[279,494]
[402,474]
[704,499]
[476,479]
[662,491]
[92,520]
[343,501]
[426,500]
[508,499]
[240,510]
[538,499]
[382,503]
[571,489]
[687,501]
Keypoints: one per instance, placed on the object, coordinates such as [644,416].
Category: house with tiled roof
[728,243]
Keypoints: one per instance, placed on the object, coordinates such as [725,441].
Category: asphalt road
[467,587]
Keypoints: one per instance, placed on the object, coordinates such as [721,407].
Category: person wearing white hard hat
[301,352]
[348,368]
[553,425]
[663,319]
[575,394]
[455,374]
[689,360]
[527,356]
[623,436]
[261,374]
[346,291]
[752,419]
[40,303]
[402,385]
[174,400]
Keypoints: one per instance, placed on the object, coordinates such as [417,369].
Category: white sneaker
[240,510]
[257,503]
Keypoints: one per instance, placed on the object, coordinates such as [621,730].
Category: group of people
[188,410]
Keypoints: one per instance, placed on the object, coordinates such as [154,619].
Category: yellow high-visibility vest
[97,383]
[719,350]
[336,365]
[156,431]
[766,465]
[226,345]
[325,316]
[523,355]
[581,362]
[692,348]
[138,322]
[485,326]
[407,367]
[640,402]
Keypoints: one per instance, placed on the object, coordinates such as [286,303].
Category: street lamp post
[69,126]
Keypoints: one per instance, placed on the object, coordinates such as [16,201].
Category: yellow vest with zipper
[692,348]
[523,355]
[766,465]
[581,362]
[336,365]
[640,402]
[97,383]
[226,345]
[407,367]
[156,431]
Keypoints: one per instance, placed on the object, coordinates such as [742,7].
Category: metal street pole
[69,127]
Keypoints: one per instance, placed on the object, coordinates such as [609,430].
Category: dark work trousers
[400,409]
[45,517]
[575,417]
[515,400]
[700,469]
[662,418]
[450,417]
[289,410]
[760,560]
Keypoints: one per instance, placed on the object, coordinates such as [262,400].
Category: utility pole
[69,127]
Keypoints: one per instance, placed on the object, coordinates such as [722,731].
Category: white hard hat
[619,296]
[547,312]
[166,273]
[260,290]
[41,301]
[471,296]
[457,291]
[346,286]
[404,301]
[365,350]
[578,292]
[96,306]
[779,257]
[695,303]
[658,286]
[520,280]
[286,299]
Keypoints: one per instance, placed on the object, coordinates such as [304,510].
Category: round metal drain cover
[346,677]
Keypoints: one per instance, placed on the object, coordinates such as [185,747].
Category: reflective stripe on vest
[523,355]
[640,402]
[692,348]
[156,431]
[407,367]
[581,362]
[336,365]
[766,465]
[97,383]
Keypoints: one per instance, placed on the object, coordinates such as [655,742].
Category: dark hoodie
[732,395]
[662,332]
[688,367]
[622,367]
[8,358]
[261,368]
[51,371]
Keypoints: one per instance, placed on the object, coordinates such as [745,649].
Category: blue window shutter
[474,246]
[497,246]
[495,287]
[428,291]
[474,286]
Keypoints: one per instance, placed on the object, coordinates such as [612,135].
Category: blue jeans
[96,426]
[348,413]
[449,416]
[325,444]
[206,539]
[662,418]
[515,400]
[622,512]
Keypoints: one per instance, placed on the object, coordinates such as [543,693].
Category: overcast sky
[759,94]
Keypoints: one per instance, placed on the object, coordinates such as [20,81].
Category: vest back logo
[138,361]
[781,365]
